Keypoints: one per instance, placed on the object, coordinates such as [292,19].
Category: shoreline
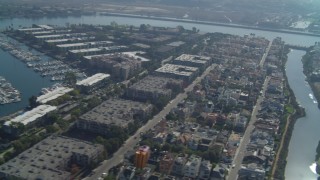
[279,166]
[209,23]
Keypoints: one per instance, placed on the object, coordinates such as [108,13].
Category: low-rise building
[93,82]
[83,45]
[191,168]
[113,112]
[119,65]
[205,170]
[193,60]
[27,119]
[54,94]
[51,158]
[152,88]
[166,163]
[178,165]
[185,73]
[251,171]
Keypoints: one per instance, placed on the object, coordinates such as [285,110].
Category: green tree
[33,102]
[70,79]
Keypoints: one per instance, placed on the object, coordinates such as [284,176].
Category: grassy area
[289,108]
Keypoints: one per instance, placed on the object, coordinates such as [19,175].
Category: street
[233,173]
[132,141]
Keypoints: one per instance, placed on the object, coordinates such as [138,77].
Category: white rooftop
[177,69]
[30,29]
[132,54]
[59,91]
[61,35]
[45,27]
[32,115]
[42,32]
[110,48]
[84,43]
[193,58]
[93,79]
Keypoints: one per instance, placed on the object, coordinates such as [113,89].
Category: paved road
[133,140]
[263,59]
[237,161]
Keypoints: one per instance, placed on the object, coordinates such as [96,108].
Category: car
[233,165]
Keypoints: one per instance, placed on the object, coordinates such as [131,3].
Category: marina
[8,94]
[13,49]
[55,70]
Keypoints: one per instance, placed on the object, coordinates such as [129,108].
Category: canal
[306,134]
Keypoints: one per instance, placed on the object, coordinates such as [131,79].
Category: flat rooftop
[68,39]
[117,112]
[153,84]
[51,95]
[60,35]
[131,54]
[31,115]
[110,48]
[177,70]
[47,159]
[84,44]
[93,79]
[193,58]
[30,29]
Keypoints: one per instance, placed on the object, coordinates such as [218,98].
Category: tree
[143,28]
[33,102]
[70,79]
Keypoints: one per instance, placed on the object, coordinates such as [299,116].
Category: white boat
[311,96]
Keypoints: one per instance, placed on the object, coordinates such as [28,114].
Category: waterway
[306,134]
[304,139]
[22,78]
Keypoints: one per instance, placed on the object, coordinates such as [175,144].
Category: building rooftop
[153,84]
[31,115]
[85,44]
[93,79]
[130,54]
[110,48]
[193,58]
[43,26]
[48,159]
[60,35]
[30,29]
[144,148]
[51,95]
[177,69]
[117,112]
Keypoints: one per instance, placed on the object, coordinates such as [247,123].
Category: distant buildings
[193,60]
[119,65]
[141,157]
[93,82]
[251,171]
[152,88]
[83,45]
[113,112]
[51,159]
[175,71]
[27,119]
[191,168]
[166,163]
[51,95]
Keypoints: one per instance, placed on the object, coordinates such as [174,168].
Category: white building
[93,82]
[28,118]
[191,168]
[51,95]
